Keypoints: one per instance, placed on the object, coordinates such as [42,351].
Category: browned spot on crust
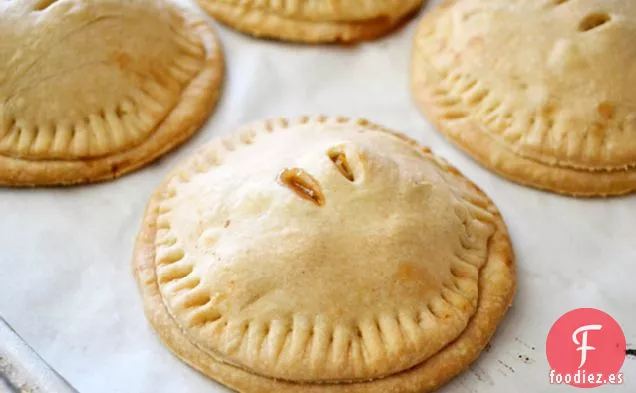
[548,109]
[606,110]
[122,60]
[476,43]
[409,273]
[446,4]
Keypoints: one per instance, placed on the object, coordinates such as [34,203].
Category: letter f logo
[583,344]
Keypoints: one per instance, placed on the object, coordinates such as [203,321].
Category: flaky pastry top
[321,249]
[84,79]
[329,10]
[551,79]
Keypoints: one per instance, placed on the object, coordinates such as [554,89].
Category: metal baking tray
[22,370]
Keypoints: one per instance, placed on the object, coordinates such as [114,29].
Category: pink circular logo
[586,349]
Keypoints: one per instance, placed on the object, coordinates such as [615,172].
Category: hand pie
[323,256]
[541,92]
[92,89]
[313,21]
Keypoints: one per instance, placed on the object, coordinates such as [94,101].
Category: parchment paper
[65,275]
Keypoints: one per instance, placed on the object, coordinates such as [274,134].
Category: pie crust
[90,90]
[313,21]
[323,255]
[538,91]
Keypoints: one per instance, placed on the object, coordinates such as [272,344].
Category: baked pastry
[92,89]
[313,21]
[540,92]
[323,255]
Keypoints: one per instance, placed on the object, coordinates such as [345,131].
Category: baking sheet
[22,370]
[65,277]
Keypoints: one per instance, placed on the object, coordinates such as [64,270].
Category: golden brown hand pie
[313,21]
[92,89]
[540,91]
[323,255]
